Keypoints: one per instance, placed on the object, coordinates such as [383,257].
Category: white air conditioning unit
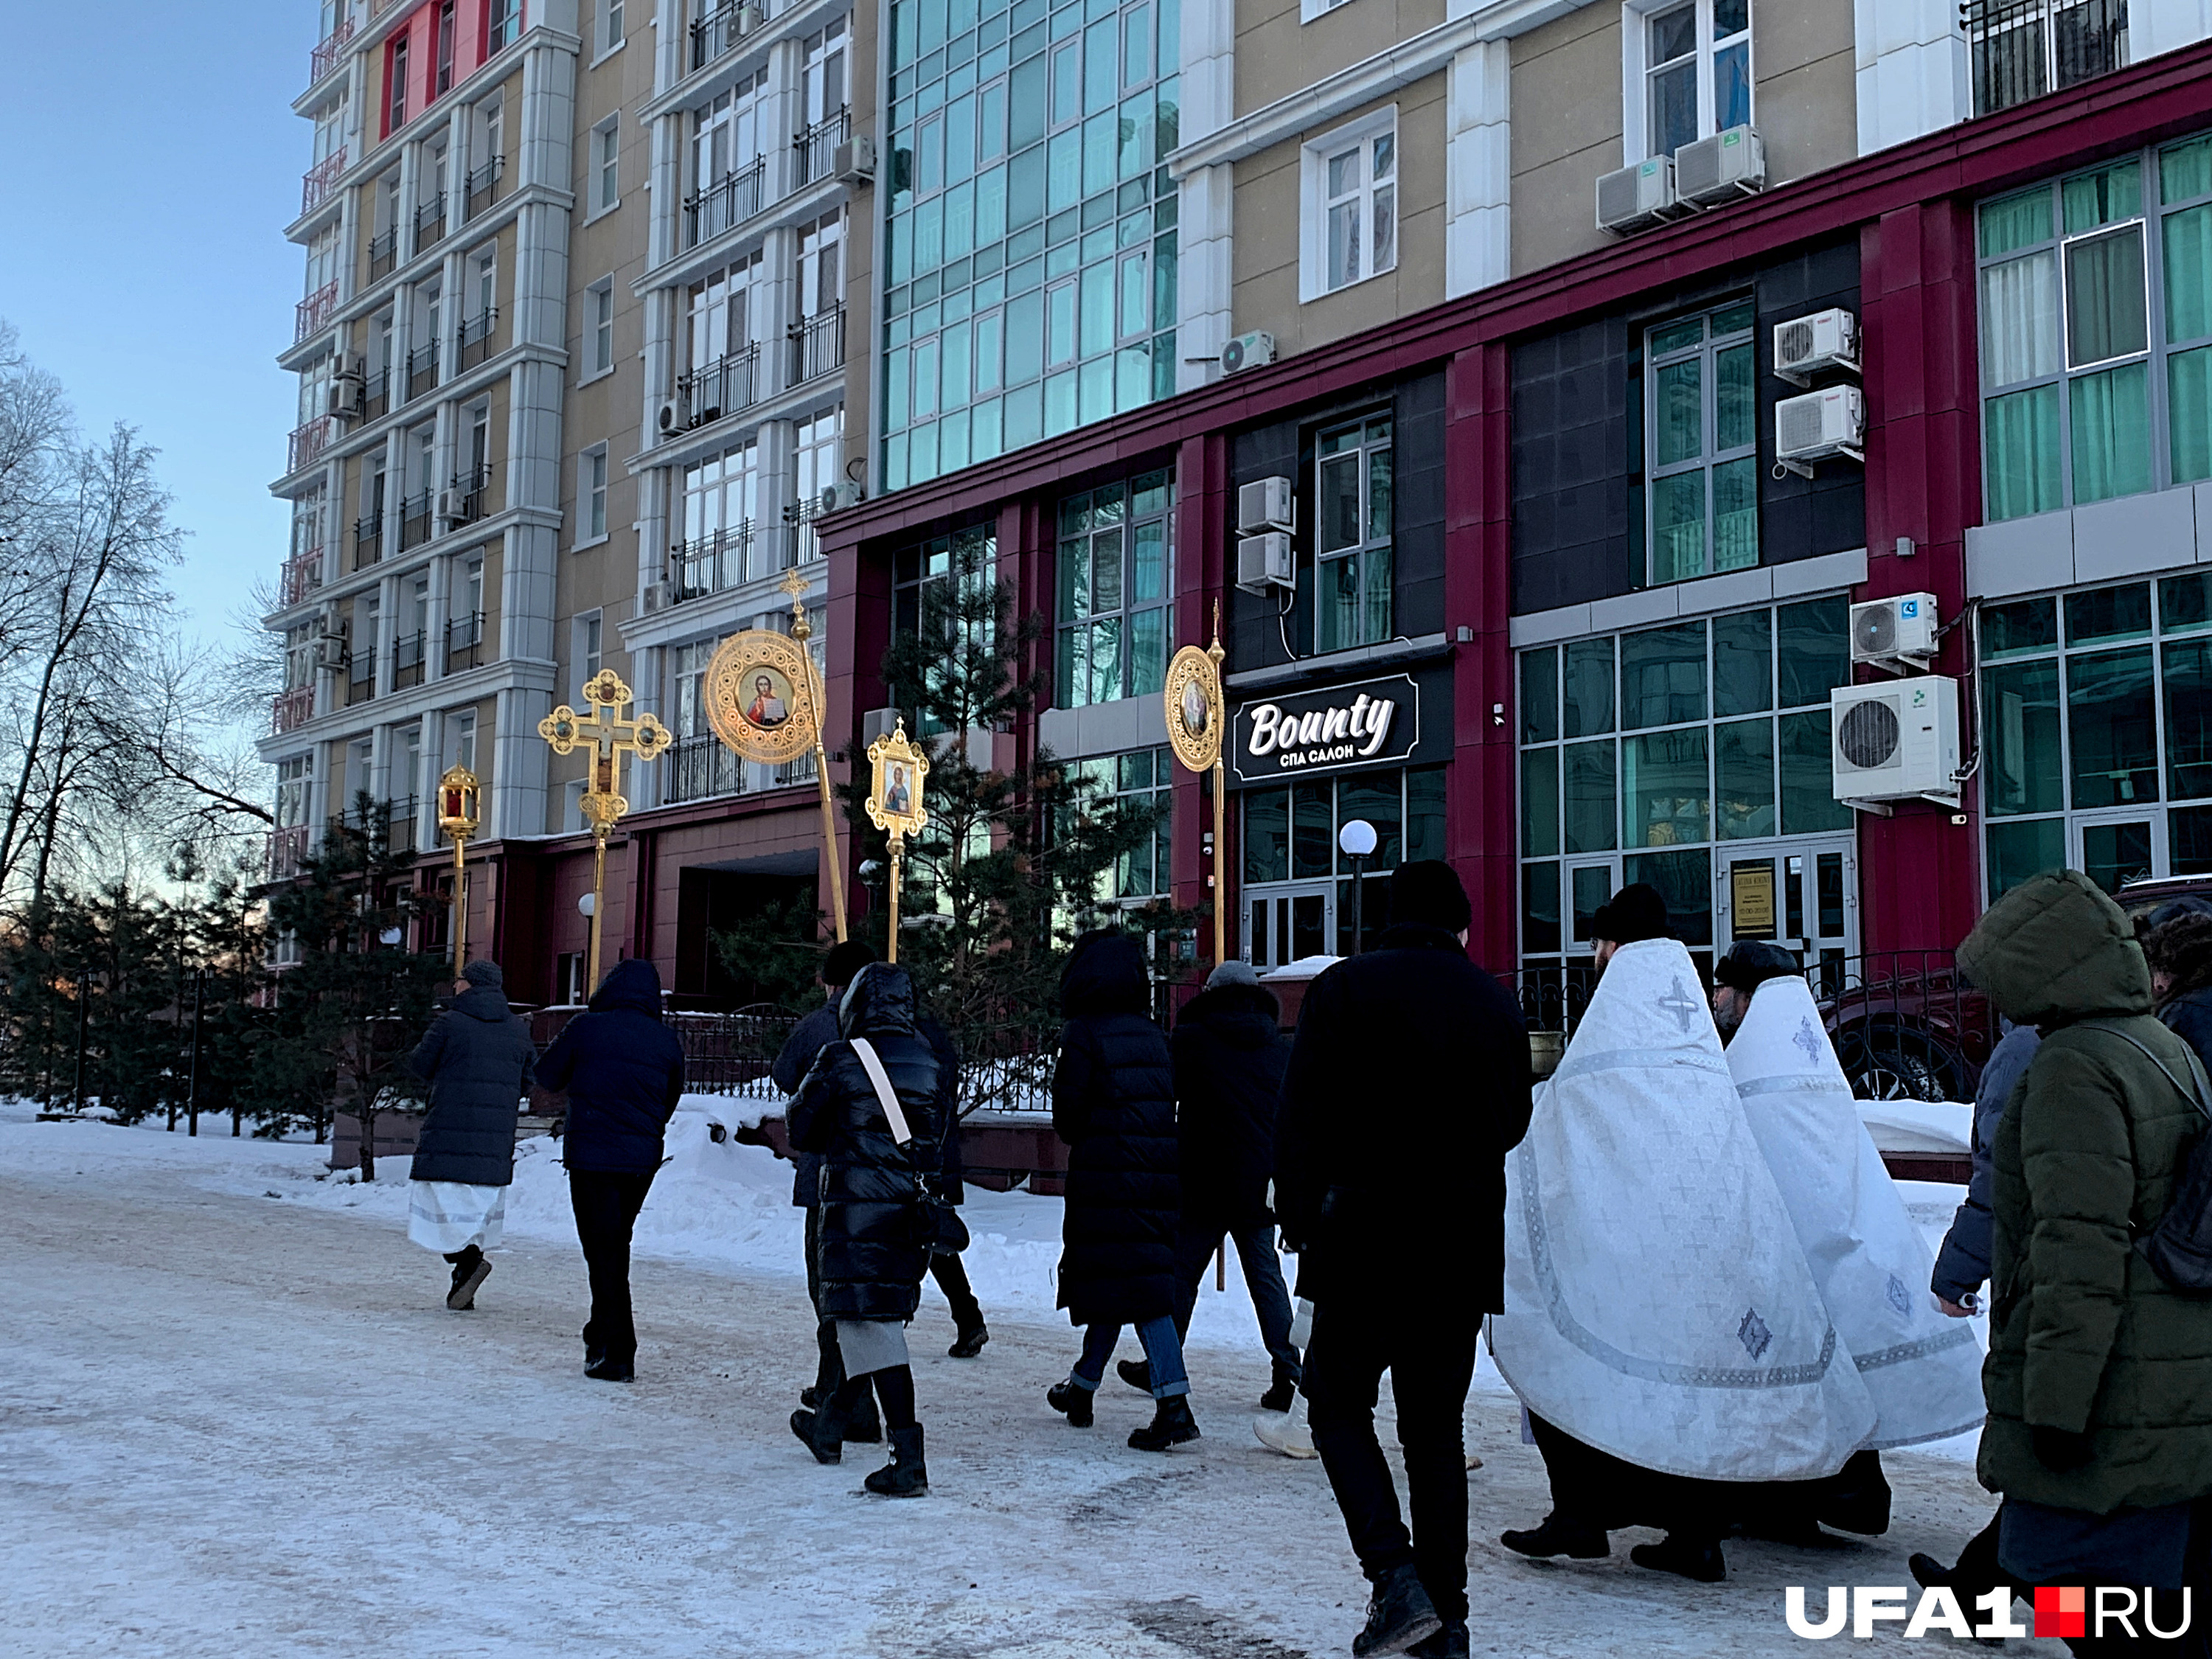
[853,162]
[748,19]
[1895,633]
[1895,742]
[1252,351]
[1818,427]
[1265,561]
[669,420]
[451,506]
[652,597]
[839,496]
[1635,197]
[1266,504]
[1804,345]
[342,399]
[1722,167]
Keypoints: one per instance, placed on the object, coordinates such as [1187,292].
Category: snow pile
[1920,1126]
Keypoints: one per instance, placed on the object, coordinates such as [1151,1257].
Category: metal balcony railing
[399,825]
[287,847]
[722,387]
[474,339]
[470,490]
[723,27]
[702,768]
[817,344]
[301,576]
[325,58]
[421,370]
[315,311]
[407,660]
[308,439]
[465,639]
[709,564]
[383,253]
[430,223]
[361,679]
[730,200]
[368,539]
[376,395]
[2022,49]
[317,183]
[481,188]
[813,152]
[414,518]
[295,705]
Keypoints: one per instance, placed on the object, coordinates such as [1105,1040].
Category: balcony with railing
[709,564]
[287,847]
[368,539]
[309,439]
[293,707]
[814,152]
[317,183]
[702,768]
[383,253]
[730,200]
[430,223]
[2022,49]
[376,395]
[817,344]
[474,339]
[722,26]
[399,825]
[302,574]
[471,492]
[464,641]
[805,542]
[421,370]
[360,679]
[481,188]
[407,657]
[315,311]
[414,518]
[730,383]
[325,58]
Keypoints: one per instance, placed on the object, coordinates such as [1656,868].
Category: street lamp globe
[1356,838]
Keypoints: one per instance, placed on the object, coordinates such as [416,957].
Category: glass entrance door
[1285,921]
[1802,895]
[2112,847]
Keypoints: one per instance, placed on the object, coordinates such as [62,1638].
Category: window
[1701,445]
[461,734]
[445,48]
[2096,306]
[1351,541]
[1116,566]
[1290,835]
[592,487]
[722,504]
[488,282]
[588,657]
[2022,49]
[916,569]
[502,22]
[702,766]
[295,779]
[1349,216]
[1144,778]
[1696,72]
[611,24]
[730,139]
[600,308]
[817,467]
[606,171]
[395,83]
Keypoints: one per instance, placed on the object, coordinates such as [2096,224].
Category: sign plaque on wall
[1341,728]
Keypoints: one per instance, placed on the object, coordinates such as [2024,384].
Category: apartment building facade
[572,365]
[1473,414]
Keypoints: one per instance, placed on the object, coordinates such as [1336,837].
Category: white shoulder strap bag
[872,1063]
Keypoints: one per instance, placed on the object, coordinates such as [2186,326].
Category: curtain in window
[2189,413]
[2111,433]
[1336,603]
[2014,222]
[2020,319]
[2188,238]
[2019,452]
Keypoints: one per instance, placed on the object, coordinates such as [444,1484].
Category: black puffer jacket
[876,1231]
[1113,1103]
[624,1071]
[2189,1016]
[1229,1053]
[951,1185]
[816,1032]
[476,1058]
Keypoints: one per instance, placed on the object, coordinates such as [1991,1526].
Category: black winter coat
[873,1244]
[1113,1103]
[2189,1016]
[1962,1265]
[475,1057]
[1230,1054]
[1408,1084]
[624,1072]
[816,1032]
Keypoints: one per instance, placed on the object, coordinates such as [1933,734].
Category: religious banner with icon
[895,807]
[760,697]
[1196,713]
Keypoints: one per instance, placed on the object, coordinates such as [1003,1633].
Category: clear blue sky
[153,161]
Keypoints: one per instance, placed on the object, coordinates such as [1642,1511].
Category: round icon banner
[760,697]
[1193,696]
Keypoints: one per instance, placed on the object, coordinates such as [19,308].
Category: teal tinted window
[1662,676]
[1812,651]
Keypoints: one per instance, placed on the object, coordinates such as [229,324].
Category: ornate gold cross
[609,737]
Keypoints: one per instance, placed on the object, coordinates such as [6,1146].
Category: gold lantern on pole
[897,772]
[458,816]
[609,735]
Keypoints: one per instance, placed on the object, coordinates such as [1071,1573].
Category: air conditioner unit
[671,420]
[1895,742]
[1895,633]
[1266,504]
[853,161]
[748,19]
[1804,345]
[838,497]
[451,505]
[1265,561]
[1635,197]
[1819,426]
[1252,351]
[342,399]
[1722,167]
[652,597]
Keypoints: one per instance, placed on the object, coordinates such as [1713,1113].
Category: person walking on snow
[623,1069]
[870,1108]
[1113,1103]
[477,1059]
[1397,1201]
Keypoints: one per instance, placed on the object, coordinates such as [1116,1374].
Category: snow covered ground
[239,1421]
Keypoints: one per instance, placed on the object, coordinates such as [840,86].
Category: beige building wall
[1566,132]
[1277,54]
[1804,98]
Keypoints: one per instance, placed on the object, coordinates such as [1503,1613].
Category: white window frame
[610,32]
[594,473]
[1313,201]
[605,153]
[598,342]
[1309,10]
[1635,73]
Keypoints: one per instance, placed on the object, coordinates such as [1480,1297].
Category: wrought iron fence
[383,253]
[430,223]
[723,27]
[415,520]
[325,58]
[474,338]
[2022,49]
[713,561]
[376,395]
[287,847]
[724,387]
[320,179]
[481,187]
[421,369]
[308,439]
[368,539]
[399,827]
[814,152]
[817,344]
[313,311]
[293,707]
[731,1053]
[730,200]
[469,490]
[407,660]
[700,768]
[465,639]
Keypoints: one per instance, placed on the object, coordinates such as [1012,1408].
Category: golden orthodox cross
[609,736]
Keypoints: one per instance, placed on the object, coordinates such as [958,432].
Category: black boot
[820,1431]
[906,1475]
[862,1423]
[969,1342]
[471,1269]
[1281,1389]
[1137,1373]
[1073,1401]
[1579,1539]
[1399,1615]
[610,1368]
[1450,1643]
[1171,1424]
[1691,1557]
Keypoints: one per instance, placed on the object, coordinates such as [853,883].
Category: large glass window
[1696,70]
[1290,835]
[2096,308]
[1117,565]
[1352,486]
[1702,438]
[1031,231]
[1145,776]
